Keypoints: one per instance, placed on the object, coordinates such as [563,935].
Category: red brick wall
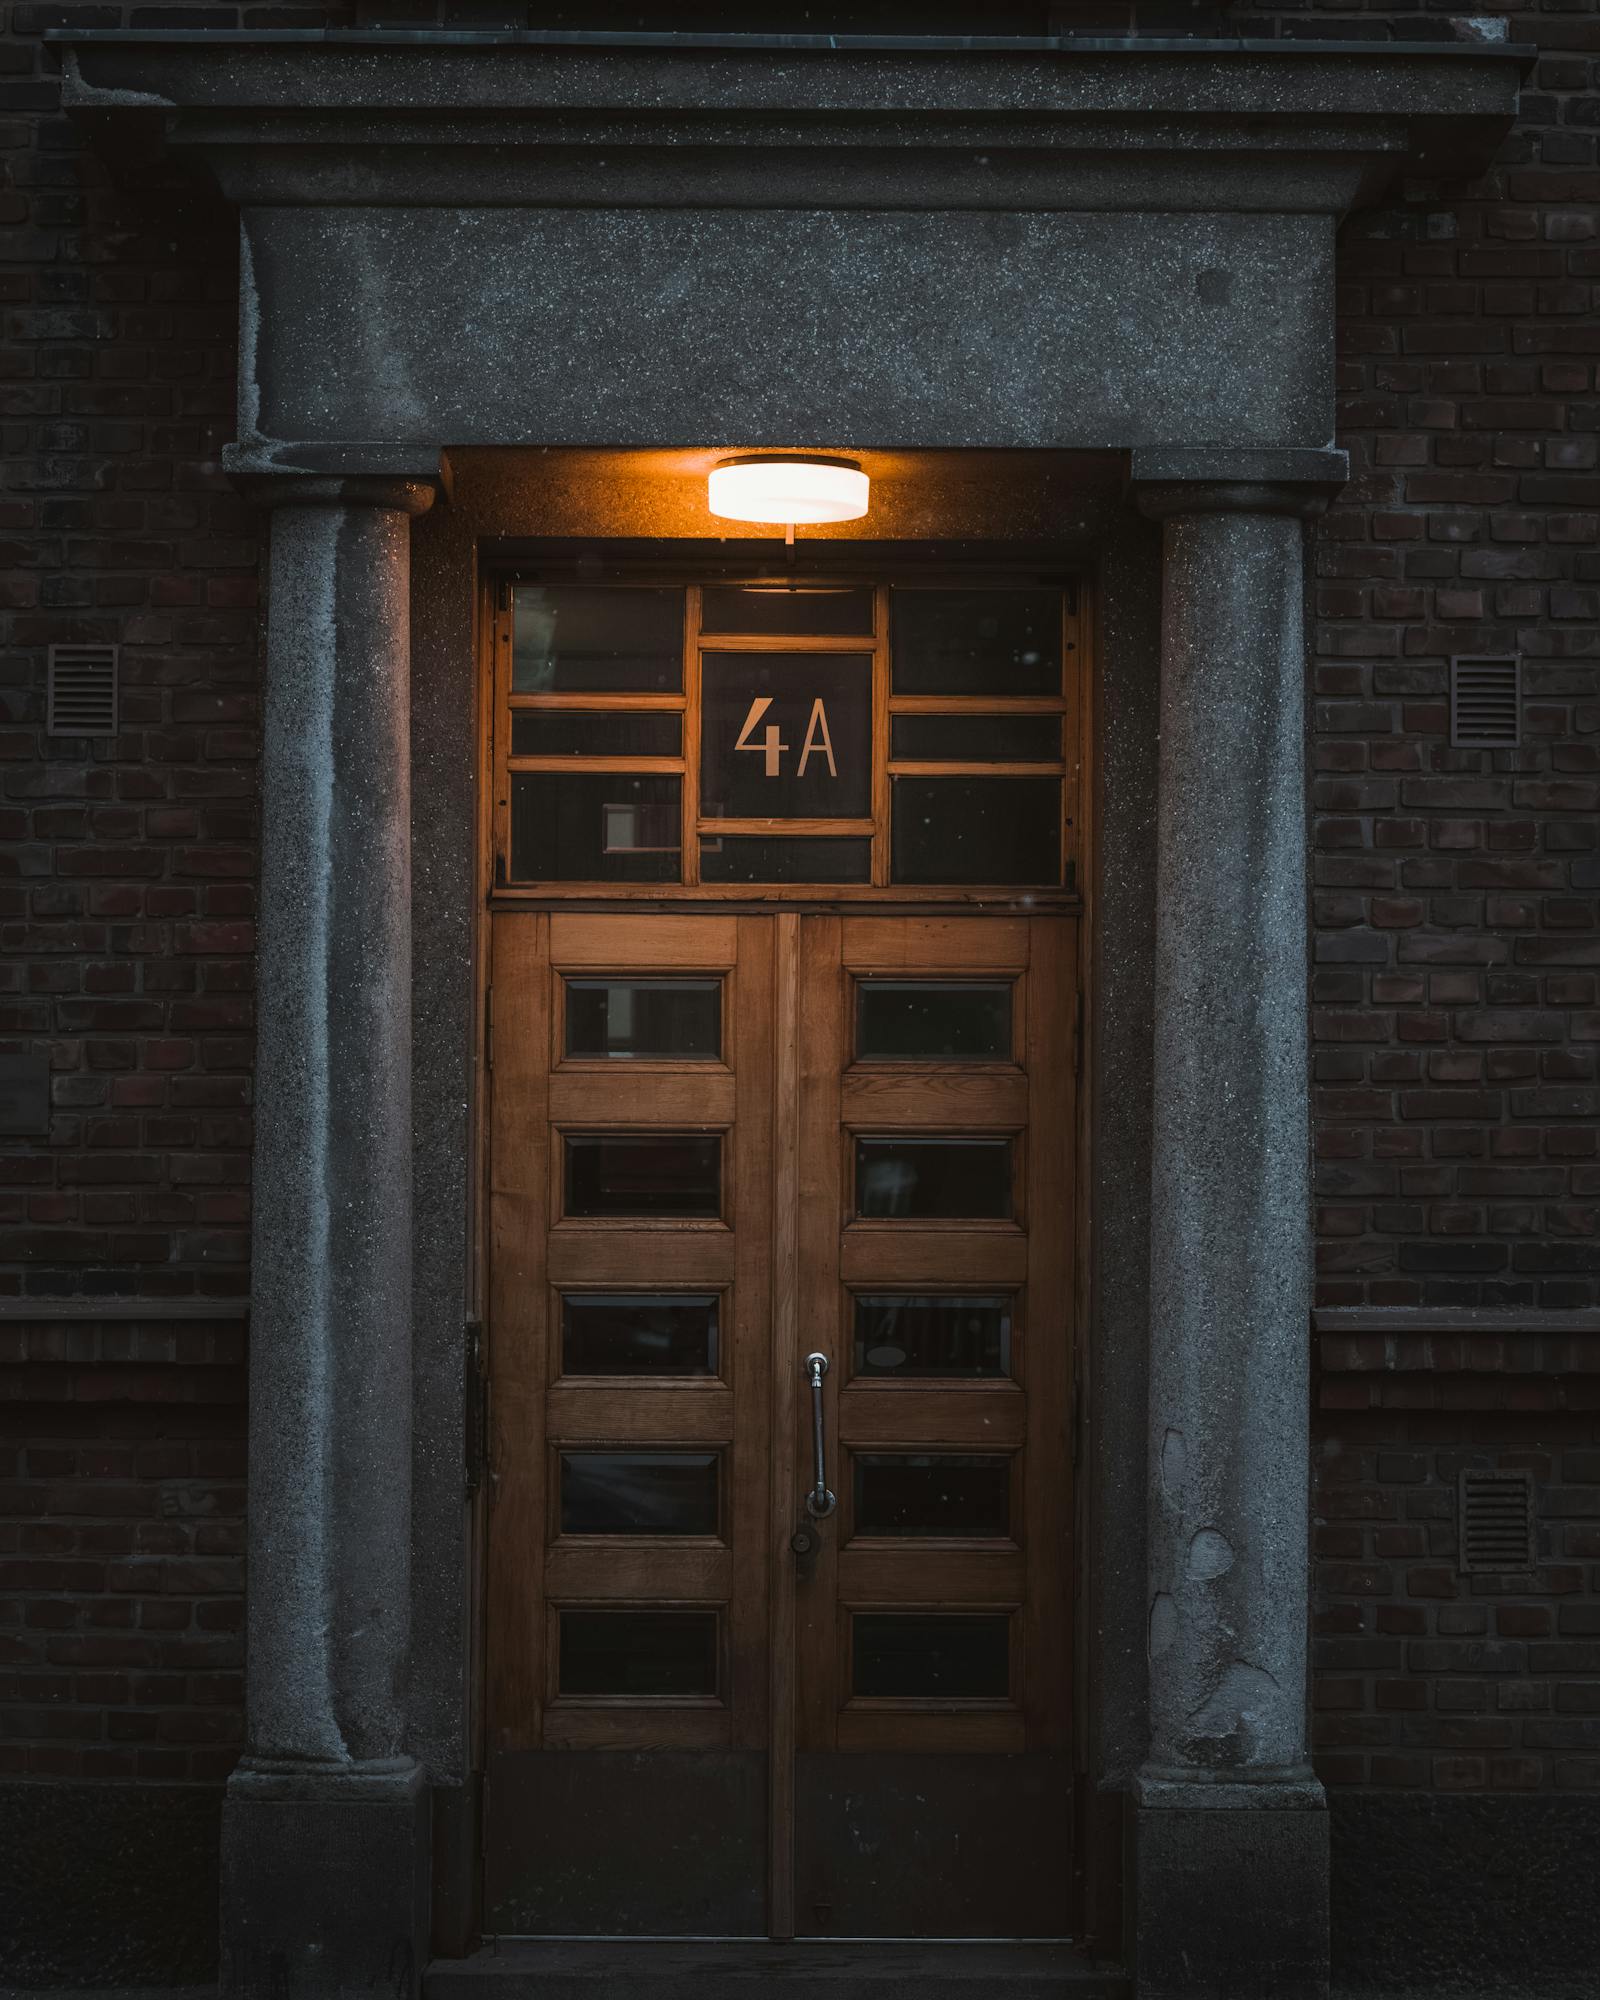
[1429,1678]
[121,1550]
[1455,1017]
[127,898]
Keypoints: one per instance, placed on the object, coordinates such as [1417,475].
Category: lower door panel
[931,1844]
[626,1843]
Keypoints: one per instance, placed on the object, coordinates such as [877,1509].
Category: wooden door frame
[1088,1890]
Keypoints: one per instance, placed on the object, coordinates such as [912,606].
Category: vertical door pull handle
[820,1502]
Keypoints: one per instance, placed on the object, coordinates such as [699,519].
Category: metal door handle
[820,1502]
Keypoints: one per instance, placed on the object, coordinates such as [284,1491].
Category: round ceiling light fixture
[788,491]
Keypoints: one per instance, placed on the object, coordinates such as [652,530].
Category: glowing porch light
[788,492]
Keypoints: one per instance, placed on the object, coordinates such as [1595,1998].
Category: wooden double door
[782,1230]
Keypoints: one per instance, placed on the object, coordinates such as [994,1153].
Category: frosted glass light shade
[784,490]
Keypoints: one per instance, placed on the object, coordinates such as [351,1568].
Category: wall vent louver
[82,697]
[1496,1521]
[1485,701]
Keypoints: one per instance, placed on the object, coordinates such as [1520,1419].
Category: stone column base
[1227,1892]
[325,1883]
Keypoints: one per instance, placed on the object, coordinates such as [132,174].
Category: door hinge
[1077,1038]
[488,1027]
[476,1410]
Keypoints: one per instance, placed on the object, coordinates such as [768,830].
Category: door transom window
[784,735]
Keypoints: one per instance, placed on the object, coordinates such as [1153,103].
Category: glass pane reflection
[639,1333]
[677,1020]
[594,827]
[931,1655]
[639,1492]
[933,1178]
[955,1336]
[573,732]
[573,639]
[1003,831]
[638,1653]
[787,609]
[643,1174]
[910,1020]
[954,1495]
[976,739]
[731,857]
[980,642]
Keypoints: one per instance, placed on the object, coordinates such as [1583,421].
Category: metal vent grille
[1486,701]
[82,698]
[1496,1521]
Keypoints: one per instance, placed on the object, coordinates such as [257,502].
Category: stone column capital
[405,479]
[1207,479]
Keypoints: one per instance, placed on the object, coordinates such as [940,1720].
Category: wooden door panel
[904,1097]
[518,1205]
[979,1415]
[659,1729]
[937,947]
[585,942]
[776,1661]
[870,1573]
[639,1413]
[631,1573]
[642,1097]
[991,1732]
[958,1259]
[615,1256]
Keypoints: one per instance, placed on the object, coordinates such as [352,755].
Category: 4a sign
[772,745]
[785,736]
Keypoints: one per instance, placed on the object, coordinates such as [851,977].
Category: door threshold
[817,1969]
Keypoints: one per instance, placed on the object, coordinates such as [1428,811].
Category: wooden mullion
[927,767]
[978,704]
[786,642]
[519,1330]
[663,766]
[625,702]
[1047,1529]
[1073,796]
[499,617]
[689,856]
[880,737]
[780,827]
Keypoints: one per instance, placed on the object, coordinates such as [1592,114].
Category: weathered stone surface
[330,1366]
[1229,1904]
[1230,1204]
[720,325]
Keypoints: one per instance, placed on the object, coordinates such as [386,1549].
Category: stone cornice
[373,117]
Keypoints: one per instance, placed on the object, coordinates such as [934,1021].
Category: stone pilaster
[1230,1876]
[324,1849]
